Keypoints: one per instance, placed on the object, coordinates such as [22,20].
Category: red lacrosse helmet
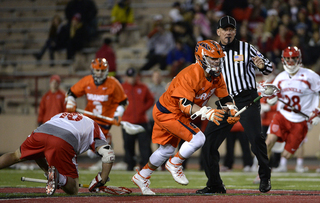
[291,59]
[99,70]
[209,55]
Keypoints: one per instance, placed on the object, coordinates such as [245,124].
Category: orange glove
[232,120]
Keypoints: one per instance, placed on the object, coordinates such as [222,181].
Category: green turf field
[163,179]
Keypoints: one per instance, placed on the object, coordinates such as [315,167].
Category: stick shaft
[36,180]
[92,114]
[246,107]
[294,109]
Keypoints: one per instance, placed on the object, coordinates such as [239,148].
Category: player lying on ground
[55,146]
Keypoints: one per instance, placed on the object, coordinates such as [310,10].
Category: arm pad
[107,154]
[185,106]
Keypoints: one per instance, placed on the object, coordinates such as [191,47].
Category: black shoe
[265,185]
[210,190]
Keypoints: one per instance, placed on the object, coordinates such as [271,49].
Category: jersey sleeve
[221,90]
[78,89]
[185,87]
[119,94]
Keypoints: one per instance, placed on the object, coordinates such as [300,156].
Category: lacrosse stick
[294,109]
[130,128]
[114,190]
[266,90]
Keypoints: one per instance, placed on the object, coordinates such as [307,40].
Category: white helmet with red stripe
[291,59]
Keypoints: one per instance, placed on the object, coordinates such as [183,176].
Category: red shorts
[286,131]
[57,152]
[170,128]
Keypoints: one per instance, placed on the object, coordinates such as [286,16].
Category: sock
[177,159]
[283,162]
[62,180]
[299,161]
[146,171]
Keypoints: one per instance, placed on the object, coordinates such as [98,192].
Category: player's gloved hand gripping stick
[266,90]
[130,128]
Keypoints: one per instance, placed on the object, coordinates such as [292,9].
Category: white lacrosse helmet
[291,59]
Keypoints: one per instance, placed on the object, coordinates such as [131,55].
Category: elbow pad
[185,106]
[107,154]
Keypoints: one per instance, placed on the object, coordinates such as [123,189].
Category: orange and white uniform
[102,100]
[171,124]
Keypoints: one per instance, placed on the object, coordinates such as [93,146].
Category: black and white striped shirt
[238,68]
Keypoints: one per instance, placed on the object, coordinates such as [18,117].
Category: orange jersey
[103,99]
[171,124]
[192,84]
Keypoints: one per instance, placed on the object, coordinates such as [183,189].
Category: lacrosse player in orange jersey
[105,95]
[186,96]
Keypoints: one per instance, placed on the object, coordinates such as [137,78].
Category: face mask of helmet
[291,59]
[209,55]
[212,65]
[99,70]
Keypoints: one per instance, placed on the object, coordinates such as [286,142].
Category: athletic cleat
[256,180]
[265,185]
[143,184]
[177,173]
[301,169]
[280,169]
[212,190]
[53,179]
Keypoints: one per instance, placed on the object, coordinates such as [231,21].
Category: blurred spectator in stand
[140,101]
[52,102]
[302,32]
[175,13]
[87,11]
[258,15]
[183,31]
[303,18]
[157,87]
[122,15]
[57,39]
[262,40]
[201,24]
[237,133]
[293,10]
[179,57]
[272,22]
[313,13]
[159,45]
[285,19]
[281,41]
[77,36]
[244,33]
[240,10]
[312,47]
[106,51]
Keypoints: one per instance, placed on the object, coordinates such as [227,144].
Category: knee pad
[188,148]
[161,154]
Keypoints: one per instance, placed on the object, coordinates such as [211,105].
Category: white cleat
[280,169]
[143,184]
[177,173]
[301,169]
[256,180]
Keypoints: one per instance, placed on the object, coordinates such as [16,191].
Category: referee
[240,62]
